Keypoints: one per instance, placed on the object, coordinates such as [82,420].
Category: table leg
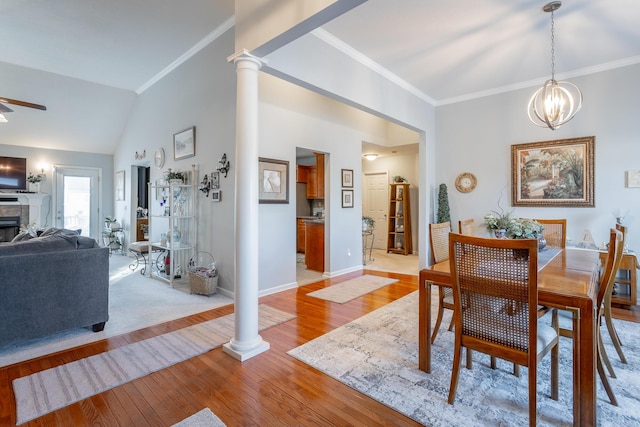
[584,389]
[424,325]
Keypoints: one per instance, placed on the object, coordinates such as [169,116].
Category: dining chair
[467,226]
[554,232]
[495,293]
[603,282]
[439,241]
[615,339]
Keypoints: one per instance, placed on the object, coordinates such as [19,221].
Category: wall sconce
[140,156]
[42,167]
[224,165]
[205,185]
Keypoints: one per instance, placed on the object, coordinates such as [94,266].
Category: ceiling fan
[5,109]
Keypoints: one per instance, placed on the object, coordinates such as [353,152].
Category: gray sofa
[55,281]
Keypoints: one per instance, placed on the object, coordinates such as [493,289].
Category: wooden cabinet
[301,235]
[302,174]
[315,178]
[314,252]
[140,230]
[399,224]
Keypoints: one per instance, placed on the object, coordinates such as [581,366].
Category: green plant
[110,219]
[174,175]
[498,220]
[368,221]
[33,179]
[524,228]
[399,178]
[444,213]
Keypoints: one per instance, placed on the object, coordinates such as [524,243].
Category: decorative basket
[203,274]
[200,283]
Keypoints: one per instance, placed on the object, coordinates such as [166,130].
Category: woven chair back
[555,232]
[467,226]
[611,265]
[439,240]
[495,289]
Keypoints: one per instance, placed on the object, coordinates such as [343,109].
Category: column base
[245,354]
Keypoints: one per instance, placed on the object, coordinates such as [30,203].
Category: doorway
[141,176]
[77,196]
[375,203]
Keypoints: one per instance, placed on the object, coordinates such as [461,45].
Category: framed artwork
[347,198]
[553,173]
[216,195]
[215,180]
[347,178]
[120,186]
[273,178]
[633,179]
[184,144]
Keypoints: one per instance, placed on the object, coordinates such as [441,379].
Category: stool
[139,249]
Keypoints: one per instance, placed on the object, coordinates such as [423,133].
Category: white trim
[212,36]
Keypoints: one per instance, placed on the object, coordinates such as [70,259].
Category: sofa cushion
[55,243]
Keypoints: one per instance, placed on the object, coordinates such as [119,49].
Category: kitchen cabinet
[315,180]
[314,245]
[301,235]
[302,174]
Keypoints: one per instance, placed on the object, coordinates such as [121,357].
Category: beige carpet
[351,289]
[55,388]
[204,418]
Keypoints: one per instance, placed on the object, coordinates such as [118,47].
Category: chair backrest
[497,279]
[611,265]
[555,232]
[621,228]
[439,241]
[467,226]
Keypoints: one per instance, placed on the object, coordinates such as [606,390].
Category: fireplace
[9,227]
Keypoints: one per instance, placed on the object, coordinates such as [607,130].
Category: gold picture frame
[558,173]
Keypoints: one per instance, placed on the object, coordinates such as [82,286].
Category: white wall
[476,136]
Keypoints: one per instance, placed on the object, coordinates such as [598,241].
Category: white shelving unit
[173,209]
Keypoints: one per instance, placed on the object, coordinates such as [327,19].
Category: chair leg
[434,334]
[555,362]
[604,357]
[615,338]
[533,394]
[469,359]
[605,382]
[455,371]
[516,370]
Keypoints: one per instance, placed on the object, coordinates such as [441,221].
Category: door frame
[379,228]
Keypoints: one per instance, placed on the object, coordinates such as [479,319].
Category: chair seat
[141,247]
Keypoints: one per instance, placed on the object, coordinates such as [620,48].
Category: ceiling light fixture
[556,102]
[3,119]
[371,157]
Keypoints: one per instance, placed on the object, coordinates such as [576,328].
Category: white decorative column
[246,341]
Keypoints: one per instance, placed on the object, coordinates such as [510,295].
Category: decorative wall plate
[158,158]
[466,182]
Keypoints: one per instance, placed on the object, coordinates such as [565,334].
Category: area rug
[352,289]
[55,388]
[135,302]
[204,418]
[377,355]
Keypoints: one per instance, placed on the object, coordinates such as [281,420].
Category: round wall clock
[466,182]
[158,159]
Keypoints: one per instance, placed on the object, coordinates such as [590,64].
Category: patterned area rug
[352,289]
[377,355]
[204,418]
[55,388]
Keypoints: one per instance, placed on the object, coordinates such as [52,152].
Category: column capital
[245,55]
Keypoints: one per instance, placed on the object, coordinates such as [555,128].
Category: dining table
[564,282]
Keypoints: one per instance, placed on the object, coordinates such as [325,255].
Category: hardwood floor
[271,389]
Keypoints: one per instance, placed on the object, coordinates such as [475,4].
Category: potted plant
[498,222]
[399,179]
[368,223]
[174,177]
[34,182]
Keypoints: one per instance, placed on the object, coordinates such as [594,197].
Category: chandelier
[557,101]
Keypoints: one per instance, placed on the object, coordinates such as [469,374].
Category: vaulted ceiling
[444,51]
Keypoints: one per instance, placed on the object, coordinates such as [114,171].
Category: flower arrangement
[34,179]
[498,220]
[524,228]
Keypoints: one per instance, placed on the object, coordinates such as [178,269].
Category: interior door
[77,198]
[375,204]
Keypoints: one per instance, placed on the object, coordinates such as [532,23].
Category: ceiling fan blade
[23,103]
[5,109]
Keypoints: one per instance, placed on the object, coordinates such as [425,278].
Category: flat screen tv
[13,173]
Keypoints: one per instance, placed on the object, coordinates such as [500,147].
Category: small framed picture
[120,185]
[216,195]
[347,178]
[347,198]
[184,144]
[633,179]
[215,180]
[274,180]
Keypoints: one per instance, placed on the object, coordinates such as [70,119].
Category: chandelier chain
[553,50]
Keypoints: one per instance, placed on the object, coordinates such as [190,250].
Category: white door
[77,198]
[375,203]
